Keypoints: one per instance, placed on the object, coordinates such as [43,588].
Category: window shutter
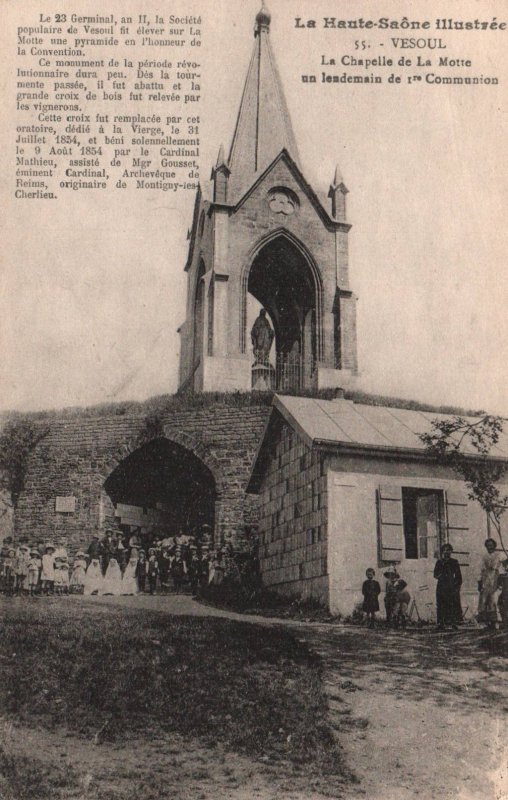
[391,523]
[457,525]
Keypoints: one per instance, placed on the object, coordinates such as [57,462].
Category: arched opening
[162,488]
[283,280]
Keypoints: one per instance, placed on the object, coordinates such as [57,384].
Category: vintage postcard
[253,410]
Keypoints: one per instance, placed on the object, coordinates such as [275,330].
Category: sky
[92,288]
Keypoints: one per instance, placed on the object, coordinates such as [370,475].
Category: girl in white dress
[93,578]
[113,578]
[22,569]
[78,573]
[48,570]
[64,580]
[129,581]
[58,584]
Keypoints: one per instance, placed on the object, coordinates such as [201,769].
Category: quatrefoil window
[282,202]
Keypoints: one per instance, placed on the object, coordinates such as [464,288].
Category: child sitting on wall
[371,591]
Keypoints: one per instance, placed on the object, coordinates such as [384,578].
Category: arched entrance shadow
[163,484]
[282,276]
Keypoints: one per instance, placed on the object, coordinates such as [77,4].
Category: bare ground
[420,714]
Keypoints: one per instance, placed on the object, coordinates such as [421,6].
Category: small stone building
[345,486]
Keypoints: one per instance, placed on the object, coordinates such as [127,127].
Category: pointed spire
[220,176]
[220,158]
[263,126]
[337,179]
[337,193]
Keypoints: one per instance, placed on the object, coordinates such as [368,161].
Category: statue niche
[282,280]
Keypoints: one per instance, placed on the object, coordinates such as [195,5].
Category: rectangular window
[423,514]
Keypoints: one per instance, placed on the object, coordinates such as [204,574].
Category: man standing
[108,549]
[94,548]
[487,585]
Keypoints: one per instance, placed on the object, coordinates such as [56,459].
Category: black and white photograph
[254,400]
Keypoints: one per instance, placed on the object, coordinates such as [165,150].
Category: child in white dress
[64,580]
[48,570]
[129,581]
[93,578]
[113,578]
[78,573]
[22,569]
[57,585]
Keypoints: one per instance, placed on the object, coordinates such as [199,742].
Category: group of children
[142,572]
[33,570]
[397,598]
[116,565]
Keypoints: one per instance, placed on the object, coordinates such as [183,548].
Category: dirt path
[419,714]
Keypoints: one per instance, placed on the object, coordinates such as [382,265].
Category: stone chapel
[266,238]
[333,486]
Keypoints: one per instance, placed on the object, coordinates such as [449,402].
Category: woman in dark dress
[449,580]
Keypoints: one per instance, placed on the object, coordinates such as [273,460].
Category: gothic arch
[190,443]
[297,244]
[171,467]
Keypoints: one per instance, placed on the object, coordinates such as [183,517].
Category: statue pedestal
[263,377]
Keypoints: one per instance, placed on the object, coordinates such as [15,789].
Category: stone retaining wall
[79,454]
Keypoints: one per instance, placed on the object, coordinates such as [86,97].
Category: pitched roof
[263,126]
[347,426]
[313,196]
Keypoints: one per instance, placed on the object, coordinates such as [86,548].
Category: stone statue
[262,337]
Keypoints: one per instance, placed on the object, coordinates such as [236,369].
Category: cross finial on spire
[263,19]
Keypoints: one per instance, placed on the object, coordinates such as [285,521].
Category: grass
[267,603]
[168,403]
[29,778]
[114,675]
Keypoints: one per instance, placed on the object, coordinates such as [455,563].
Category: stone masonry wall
[293,520]
[79,454]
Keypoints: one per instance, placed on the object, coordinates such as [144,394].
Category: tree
[466,445]
[18,439]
